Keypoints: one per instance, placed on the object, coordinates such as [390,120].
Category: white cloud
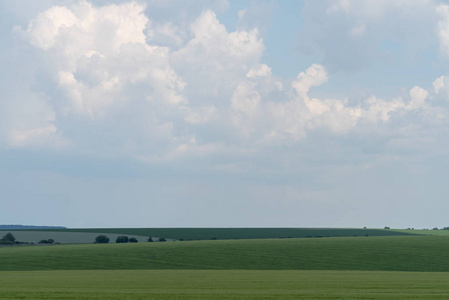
[245,98]
[314,76]
[380,110]
[418,96]
[215,60]
[439,84]
[261,70]
[162,91]
[100,51]
[44,30]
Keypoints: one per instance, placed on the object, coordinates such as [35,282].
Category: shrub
[50,241]
[122,239]
[9,237]
[150,239]
[162,240]
[21,243]
[133,240]
[101,239]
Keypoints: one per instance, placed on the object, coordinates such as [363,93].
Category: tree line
[103,239]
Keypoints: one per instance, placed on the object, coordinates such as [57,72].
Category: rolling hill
[393,253]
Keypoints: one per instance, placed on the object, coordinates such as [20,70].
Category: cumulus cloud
[214,60]
[100,51]
[160,91]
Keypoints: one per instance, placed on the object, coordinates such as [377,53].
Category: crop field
[423,231]
[201,284]
[243,233]
[400,253]
[360,267]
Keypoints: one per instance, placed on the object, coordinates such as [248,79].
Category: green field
[361,267]
[400,253]
[422,231]
[176,284]
[242,233]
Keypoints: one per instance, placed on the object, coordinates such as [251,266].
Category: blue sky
[224,113]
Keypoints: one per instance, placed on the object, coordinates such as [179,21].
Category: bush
[162,240]
[5,242]
[21,243]
[150,239]
[101,239]
[122,239]
[9,237]
[49,241]
[133,240]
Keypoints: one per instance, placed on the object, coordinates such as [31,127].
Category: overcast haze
[224,113]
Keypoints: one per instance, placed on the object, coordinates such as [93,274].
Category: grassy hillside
[242,233]
[175,284]
[400,253]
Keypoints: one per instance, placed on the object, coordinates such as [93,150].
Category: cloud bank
[158,91]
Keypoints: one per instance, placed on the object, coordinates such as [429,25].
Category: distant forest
[7,227]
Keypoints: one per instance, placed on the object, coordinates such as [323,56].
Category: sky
[224,113]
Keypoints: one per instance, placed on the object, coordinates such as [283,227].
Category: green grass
[242,233]
[170,284]
[400,253]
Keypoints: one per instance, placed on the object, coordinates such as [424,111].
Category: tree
[9,237]
[101,239]
[122,239]
[150,239]
[133,240]
[162,240]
